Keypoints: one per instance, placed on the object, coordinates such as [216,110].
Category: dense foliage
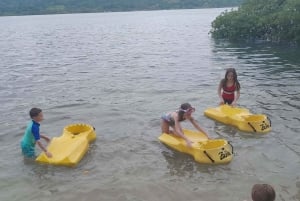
[268,20]
[23,7]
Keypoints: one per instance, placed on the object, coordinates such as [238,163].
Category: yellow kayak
[70,147]
[204,150]
[240,118]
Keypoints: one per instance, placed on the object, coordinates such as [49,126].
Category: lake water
[120,72]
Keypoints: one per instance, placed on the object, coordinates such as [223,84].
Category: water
[120,72]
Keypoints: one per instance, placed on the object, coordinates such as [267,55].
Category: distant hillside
[34,7]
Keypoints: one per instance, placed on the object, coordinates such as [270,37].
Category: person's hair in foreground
[263,192]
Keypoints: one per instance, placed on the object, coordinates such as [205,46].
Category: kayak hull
[240,118]
[204,150]
[70,147]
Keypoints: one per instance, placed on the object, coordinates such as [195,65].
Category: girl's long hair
[236,82]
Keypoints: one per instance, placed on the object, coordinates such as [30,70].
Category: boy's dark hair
[34,112]
[263,192]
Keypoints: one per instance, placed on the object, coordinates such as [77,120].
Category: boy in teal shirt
[32,135]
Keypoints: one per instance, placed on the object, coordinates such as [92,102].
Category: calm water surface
[120,72]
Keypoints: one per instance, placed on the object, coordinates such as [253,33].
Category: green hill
[34,7]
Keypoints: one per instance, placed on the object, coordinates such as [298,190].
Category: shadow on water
[46,171]
[230,132]
[184,165]
[225,131]
[179,164]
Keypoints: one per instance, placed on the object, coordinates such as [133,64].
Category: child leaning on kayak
[173,119]
[32,135]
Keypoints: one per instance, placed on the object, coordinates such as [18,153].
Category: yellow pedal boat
[240,118]
[70,147]
[204,150]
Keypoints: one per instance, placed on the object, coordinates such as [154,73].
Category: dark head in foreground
[263,192]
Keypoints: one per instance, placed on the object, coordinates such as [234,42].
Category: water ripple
[120,72]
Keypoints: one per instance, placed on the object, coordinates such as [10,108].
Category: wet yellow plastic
[240,118]
[204,150]
[70,147]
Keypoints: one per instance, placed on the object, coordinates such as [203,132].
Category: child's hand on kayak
[189,143]
[48,154]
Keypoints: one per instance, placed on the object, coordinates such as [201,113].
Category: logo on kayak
[264,125]
[224,154]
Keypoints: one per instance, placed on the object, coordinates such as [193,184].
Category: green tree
[270,20]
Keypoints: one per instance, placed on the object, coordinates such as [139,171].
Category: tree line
[33,7]
[277,21]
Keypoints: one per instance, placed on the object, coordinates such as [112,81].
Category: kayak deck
[70,147]
[240,118]
[204,150]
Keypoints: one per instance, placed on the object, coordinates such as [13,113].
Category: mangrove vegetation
[277,21]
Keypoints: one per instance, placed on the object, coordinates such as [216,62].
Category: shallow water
[120,72]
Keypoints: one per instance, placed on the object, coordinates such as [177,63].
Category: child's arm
[236,97]
[43,148]
[45,138]
[220,92]
[178,131]
[196,125]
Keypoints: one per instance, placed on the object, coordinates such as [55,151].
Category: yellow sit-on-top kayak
[240,118]
[204,150]
[70,147]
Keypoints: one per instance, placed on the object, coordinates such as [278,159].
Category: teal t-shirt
[31,135]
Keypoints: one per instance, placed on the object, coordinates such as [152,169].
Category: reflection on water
[179,164]
[182,166]
[225,130]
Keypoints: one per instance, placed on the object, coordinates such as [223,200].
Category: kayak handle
[252,127]
[208,156]
[231,147]
[269,120]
